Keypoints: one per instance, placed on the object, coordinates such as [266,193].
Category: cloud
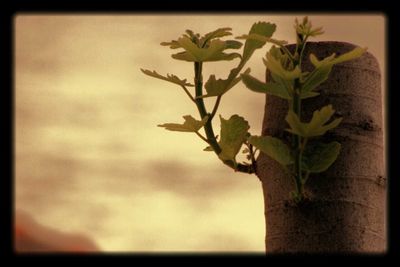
[44,178]
[189,180]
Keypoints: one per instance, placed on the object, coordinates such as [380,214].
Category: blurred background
[89,159]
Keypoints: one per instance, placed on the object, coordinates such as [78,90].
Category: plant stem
[297,144]
[297,141]
[188,93]
[214,111]
[198,81]
[287,52]
[301,47]
[202,137]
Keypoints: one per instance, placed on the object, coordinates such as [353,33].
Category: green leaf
[204,41]
[193,53]
[218,87]
[331,60]
[232,44]
[173,44]
[221,32]
[315,78]
[296,126]
[355,53]
[305,28]
[323,68]
[318,63]
[233,135]
[318,157]
[194,37]
[271,88]
[260,28]
[287,84]
[209,148]
[190,125]
[273,63]
[273,147]
[261,38]
[305,95]
[317,124]
[170,78]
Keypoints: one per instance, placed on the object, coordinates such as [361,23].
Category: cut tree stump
[346,210]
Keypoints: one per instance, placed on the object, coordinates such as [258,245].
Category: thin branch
[302,50]
[202,137]
[288,52]
[208,126]
[214,111]
[198,80]
[297,141]
[188,93]
[303,144]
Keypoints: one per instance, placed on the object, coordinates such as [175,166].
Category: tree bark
[347,204]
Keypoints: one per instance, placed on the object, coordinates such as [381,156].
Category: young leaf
[233,135]
[170,78]
[296,126]
[316,126]
[218,87]
[331,60]
[273,147]
[261,38]
[285,83]
[305,95]
[193,53]
[305,28]
[232,44]
[355,53]
[173,44]
[209,148]
[319,63]
[194,37]
[271,88]
[275,66]
[190,125]
[221,32]
[324,67]
[318,157]
[315,78]
[260,28]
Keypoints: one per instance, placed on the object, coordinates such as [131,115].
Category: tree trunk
[347,203]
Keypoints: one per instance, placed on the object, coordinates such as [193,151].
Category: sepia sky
[88,155]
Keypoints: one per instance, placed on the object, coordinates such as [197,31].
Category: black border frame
[125,7]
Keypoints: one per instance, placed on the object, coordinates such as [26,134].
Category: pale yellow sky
[89,157]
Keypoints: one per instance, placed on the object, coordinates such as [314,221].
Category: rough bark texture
[346,210]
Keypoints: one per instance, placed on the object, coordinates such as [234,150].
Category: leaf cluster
[289,82]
